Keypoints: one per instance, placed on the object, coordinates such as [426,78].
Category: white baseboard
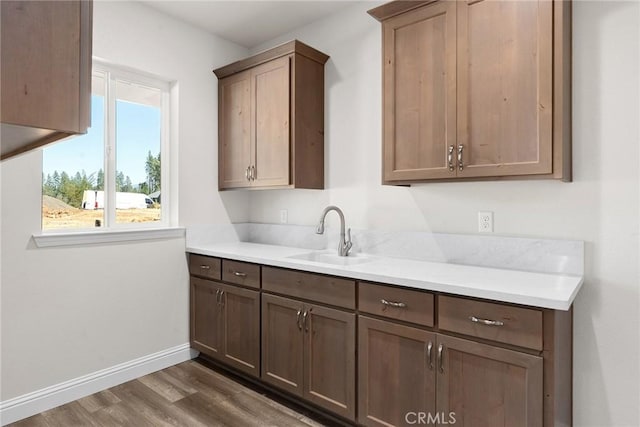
[41,400]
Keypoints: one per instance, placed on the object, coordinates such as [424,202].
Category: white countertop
[552,291]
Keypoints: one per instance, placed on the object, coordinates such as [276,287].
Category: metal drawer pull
[393,304]
[440,361]
[487,322]
[450,158]
[298,319]
[429,355]
[205,267]
[239,274]
[460,164]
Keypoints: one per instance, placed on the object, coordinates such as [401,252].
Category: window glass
[138,160]
[73,173]
[111,177]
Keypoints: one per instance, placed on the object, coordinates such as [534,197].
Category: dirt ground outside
[58,215]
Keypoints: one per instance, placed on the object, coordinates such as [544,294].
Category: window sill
[111,236]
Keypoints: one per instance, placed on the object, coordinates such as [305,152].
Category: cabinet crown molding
[389,10]
[288,48]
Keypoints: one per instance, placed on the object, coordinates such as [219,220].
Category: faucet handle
[348,243]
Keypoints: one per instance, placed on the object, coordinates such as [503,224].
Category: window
[114,176]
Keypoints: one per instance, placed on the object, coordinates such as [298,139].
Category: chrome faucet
[344,246]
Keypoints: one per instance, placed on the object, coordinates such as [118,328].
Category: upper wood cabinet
[476,89]
[46,72]
[271,119]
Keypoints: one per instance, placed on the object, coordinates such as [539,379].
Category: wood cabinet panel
[396,303]
[488,81]
[314,287]
[330,359]
[282,343]
[46,72]
[281,142]
[488,386]
[419,88]
[241,273]
[270,119]
[241,333]
[204,266]
[234,130]
[520,326]
[206,317]
[395,373]
[504,87]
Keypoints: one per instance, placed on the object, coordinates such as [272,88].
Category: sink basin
[332,258]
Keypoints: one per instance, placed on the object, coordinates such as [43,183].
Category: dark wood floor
[188,394]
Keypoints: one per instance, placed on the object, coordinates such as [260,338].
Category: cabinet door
[282,342]
[481,385]
[420,93]
[45,69]
[241,333]
[505,87]
[234,130]
[396,373]
[329,359]
[206,317]
[270,87]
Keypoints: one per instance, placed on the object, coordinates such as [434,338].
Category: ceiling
[248,23]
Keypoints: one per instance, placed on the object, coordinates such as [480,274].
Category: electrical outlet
[485,222]
[284,216]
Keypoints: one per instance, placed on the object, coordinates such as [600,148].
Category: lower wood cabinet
[296,331]
[396,377]
[484,385]
[309,350]
[407,375]
[225,324]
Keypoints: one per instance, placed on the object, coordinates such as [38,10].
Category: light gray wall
[600,207]
[70,311]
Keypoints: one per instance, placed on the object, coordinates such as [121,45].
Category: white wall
[600,207]
[67,312]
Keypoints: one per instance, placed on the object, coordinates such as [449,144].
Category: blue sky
[137,132]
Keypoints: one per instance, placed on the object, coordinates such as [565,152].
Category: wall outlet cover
[485,222]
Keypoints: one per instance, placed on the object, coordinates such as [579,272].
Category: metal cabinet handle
[253,173]
[450,158]
[246,173]
[298,319]
[430,355]
[460,163]
[304,321]
[205,267]
[239,274]
[393,304]
[218,296]
[222,298]
[487,322]
[440,358]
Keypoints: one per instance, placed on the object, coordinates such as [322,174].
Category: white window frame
[110,231]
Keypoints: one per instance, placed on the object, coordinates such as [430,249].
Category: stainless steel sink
[332,258]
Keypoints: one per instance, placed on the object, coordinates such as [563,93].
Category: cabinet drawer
[511,325]
[314,287]
[204,266]
[241,273]
[401,304]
